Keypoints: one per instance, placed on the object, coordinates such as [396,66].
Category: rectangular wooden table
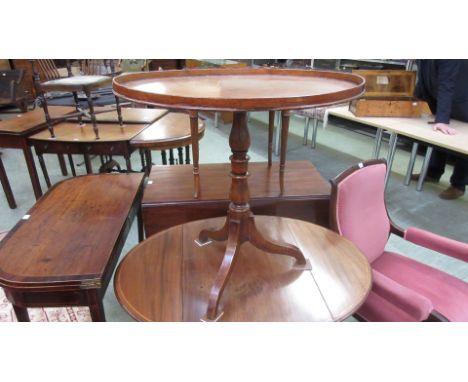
[418,129]
[168,199]
[15,131]
[70,138]
[64,251]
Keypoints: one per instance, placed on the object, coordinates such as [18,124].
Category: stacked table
[238,91]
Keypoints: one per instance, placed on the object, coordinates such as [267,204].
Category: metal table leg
[306,130]
[313,142]
[409,171]
[391,155]
[377,143]
[424,168]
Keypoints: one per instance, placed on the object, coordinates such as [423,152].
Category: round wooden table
[168,277]
[239,90]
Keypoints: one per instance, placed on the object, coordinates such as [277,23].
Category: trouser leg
[437,164]
[459,178]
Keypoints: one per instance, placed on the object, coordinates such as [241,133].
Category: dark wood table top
[301,179]
[69,236]
[173,130]
[25,123]
[239,89]
[168,277]
[73,132]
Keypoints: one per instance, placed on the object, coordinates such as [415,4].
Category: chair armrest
[404,298]
[437,243]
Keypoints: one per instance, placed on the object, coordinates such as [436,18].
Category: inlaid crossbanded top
[239,89]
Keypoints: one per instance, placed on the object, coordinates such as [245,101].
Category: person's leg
[459,178]
[437,164]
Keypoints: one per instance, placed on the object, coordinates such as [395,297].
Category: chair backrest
[358,209]
[48,70]
[97,67]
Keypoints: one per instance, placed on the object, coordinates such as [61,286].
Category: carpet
[65,314]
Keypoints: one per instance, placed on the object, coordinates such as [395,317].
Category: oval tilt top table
[239,90]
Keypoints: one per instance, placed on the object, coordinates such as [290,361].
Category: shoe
[451,193]
[428,178]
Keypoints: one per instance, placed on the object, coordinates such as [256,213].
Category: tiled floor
[337,149]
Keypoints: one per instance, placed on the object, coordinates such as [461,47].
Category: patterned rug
[68,314]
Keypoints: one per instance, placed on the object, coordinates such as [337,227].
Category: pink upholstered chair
[403,289]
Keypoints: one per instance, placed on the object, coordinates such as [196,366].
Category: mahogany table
[172,131]
[15,131]
[240,91]
[168,277]
[168,198]
[64,251]
[72,139]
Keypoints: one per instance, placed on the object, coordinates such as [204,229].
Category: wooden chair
[74,84]
[12,89]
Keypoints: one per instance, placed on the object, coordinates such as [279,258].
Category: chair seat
[448,294]
[76,83]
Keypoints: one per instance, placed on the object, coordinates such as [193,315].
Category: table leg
[271,128]
[285,116]
[142,159]
[187,154]
[306,130]
[377,143]
[63,166]
[239,226]
[180,153]
[313,142]
[149,161]
[44,169]
[72,164]
[425,166]
[195,152]
[391,155]
[171,157]
[28,157]
[21,313]
[277,133]
[163,157]
[409,171]
[128,163]
[96,308]
[88,165]
[141,232]
[6,186]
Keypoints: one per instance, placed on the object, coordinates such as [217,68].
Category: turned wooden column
[195,152]
[240,224]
